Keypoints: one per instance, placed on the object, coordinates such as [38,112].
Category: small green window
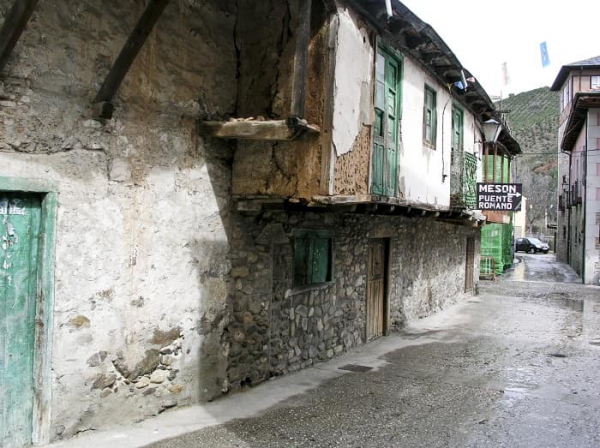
[429,116]
[313,257]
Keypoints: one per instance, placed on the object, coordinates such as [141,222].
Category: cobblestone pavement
[517,366]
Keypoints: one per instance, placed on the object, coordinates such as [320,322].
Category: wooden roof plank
[14,24]
[130,50]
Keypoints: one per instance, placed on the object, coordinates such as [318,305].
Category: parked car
[531,245]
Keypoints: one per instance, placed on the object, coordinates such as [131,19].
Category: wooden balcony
[498,217]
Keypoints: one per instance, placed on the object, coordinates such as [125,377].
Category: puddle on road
[575,304]
[514,394]
[540,268]
[517,273]
[584,324]
[520,383]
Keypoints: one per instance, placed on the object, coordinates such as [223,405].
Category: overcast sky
[484,35]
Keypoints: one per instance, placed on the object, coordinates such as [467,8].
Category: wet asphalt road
[516,366]
[540,268]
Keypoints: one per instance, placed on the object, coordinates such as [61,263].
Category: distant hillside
[533,119]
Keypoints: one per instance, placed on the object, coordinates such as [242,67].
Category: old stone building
[578,236]
[199,195]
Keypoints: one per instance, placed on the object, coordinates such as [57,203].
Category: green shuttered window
[429,116]
[313,257]
[386,135]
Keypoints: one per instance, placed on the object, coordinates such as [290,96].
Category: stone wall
[143,203]
[277,328]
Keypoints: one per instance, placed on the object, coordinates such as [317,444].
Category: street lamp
[491,130]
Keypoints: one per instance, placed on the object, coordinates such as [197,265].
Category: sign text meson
[499,197]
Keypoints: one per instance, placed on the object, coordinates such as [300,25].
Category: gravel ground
[517,368]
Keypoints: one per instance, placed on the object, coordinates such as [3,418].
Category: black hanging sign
[505,197]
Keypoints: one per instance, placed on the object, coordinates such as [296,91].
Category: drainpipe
[584,200]
[388,8]
[569,214]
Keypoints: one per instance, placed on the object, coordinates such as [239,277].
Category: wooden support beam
[130,50]
[328,155]
[14,24]
[255,130]
[429,57]
[301,60]
[397,25]
[413,41]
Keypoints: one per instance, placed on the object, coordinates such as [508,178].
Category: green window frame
[430,117]
[497,168]
[313,257]
[387,122]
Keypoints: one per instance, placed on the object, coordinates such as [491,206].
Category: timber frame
[251,129]
[272,130]
[22,10]
[580,104]
[363,205]
[103,101]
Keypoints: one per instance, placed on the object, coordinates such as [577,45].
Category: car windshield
[535,241]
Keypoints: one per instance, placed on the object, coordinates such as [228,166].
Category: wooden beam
[413,41]
[397,25]
[130,50]
[301,60]
[328,156]
[14,24]
[255,130]
[429,57]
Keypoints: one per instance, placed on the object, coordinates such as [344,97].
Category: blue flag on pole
[545,57]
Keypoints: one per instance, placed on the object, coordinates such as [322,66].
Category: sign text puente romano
[505,197]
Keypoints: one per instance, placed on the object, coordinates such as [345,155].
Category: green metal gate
[20,216]
[496,244]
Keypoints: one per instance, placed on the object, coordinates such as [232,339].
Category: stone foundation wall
[277,328]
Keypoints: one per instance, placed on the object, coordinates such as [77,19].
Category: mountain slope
[533,119]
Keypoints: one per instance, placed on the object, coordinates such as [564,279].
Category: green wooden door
[387,116]
[20,216]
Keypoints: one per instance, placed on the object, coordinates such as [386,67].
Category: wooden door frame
[386,286]
[44,303]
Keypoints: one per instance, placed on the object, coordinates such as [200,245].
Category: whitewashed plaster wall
[133,260]
[141,230]
[353,82]
[421,167]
